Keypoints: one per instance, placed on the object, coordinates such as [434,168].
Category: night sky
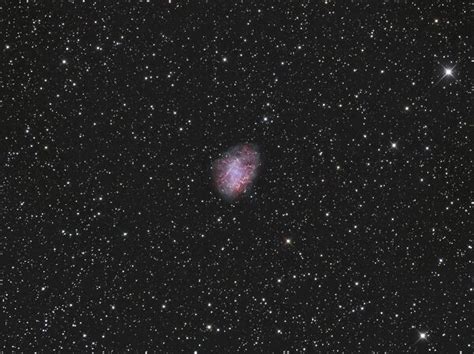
[351,232]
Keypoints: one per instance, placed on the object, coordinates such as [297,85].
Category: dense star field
[354,235]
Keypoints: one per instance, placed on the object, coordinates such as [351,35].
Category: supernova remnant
[236,170]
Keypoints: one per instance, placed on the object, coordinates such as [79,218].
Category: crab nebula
[236,170]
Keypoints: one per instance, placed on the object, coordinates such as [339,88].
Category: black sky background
[355,236]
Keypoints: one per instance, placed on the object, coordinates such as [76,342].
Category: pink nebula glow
[235,172]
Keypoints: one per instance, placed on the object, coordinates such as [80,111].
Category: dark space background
[355,236]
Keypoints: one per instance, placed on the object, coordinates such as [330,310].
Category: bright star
[448,72]
[422,335]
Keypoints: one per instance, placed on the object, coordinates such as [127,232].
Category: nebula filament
[235,172]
